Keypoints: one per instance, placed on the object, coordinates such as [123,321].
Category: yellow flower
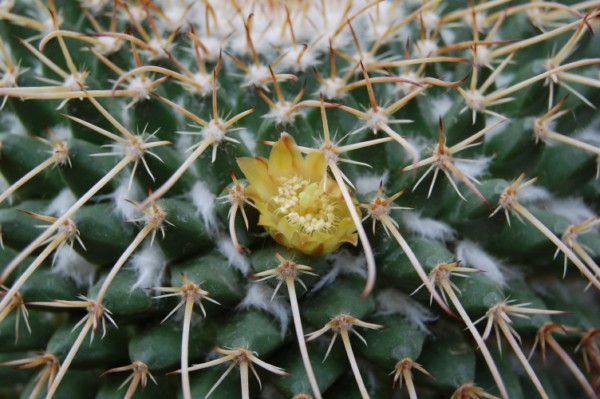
[297,207]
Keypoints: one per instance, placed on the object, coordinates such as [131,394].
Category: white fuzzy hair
[343,262]
[534,193]
[472,255]
[234,258]
[259,296]
[122,195]
[149,264]
[16,127]
[369,183]
[204,202]
[61,203]
[473,168]
[249,140]
[573,209]
[69,264]
[391,301]
[427,227]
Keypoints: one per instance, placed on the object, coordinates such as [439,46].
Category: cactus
[200,197]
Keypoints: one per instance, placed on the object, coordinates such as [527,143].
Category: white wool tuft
[390,301]
[441,105]
[573,209]
[282,113]
[331,88]
[204,202]
[427,227]
[70,264]
[125,116]
[369,183]
[122,194]
[447,35]
[473,168]
[149,265]
[422,144]
[259,296]
[424,48]
[504,79]
[590,134]
[299,59]
[342,262]
[234,258]
[375,119]
[534,193]
[183,143]
[61,203]
[497,130]
[63,132]
[430,20]
[249,140]
[16,127]
[470,254]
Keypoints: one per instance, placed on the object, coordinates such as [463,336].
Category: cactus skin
[136,132]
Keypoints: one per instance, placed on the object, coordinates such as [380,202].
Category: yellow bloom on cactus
[300,206]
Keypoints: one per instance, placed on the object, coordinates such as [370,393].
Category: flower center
[304,204]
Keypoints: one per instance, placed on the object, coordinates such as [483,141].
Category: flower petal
[257,173]
[285,159]
[314,166]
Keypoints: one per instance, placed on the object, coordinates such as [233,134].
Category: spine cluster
[133,133]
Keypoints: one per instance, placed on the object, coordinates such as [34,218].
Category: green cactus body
[339,198]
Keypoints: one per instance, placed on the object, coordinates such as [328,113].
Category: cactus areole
[299,199]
